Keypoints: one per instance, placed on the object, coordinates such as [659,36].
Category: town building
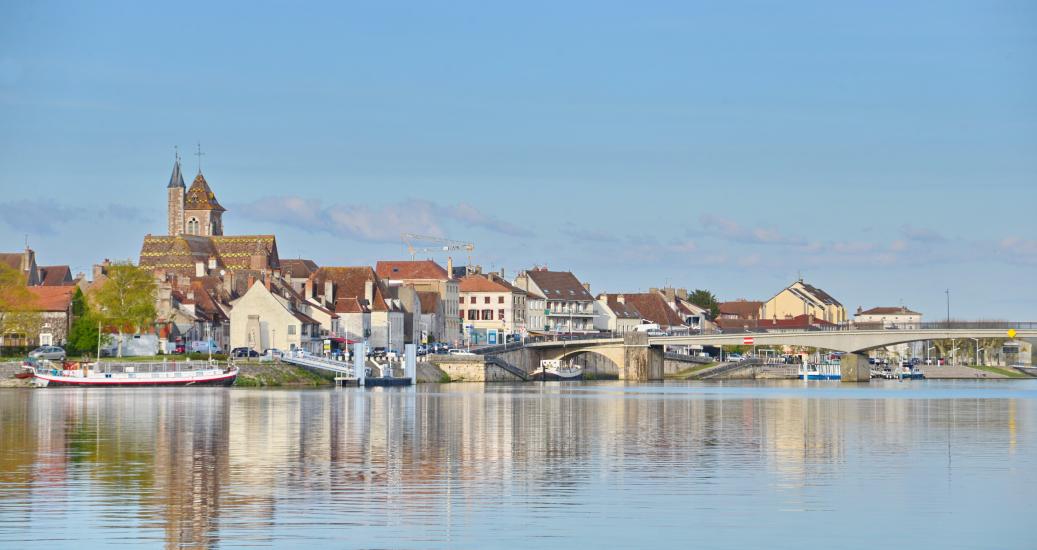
[570,306]
[739,309]
[362,301]
[654,309]
[898,317]
[489,304]
[271,315]
[801,298]
[431,325]
[428,276]
[54,304]
[36,275]
[695,318]
[613,314]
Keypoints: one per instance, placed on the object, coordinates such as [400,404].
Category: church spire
[176,179]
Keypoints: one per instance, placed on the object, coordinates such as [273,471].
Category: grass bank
[1010,373]
[278,375]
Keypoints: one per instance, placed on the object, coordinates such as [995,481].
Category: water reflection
[465,465]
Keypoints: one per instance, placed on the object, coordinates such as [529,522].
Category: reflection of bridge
[640,357]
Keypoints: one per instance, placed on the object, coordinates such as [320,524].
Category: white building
[569,304]
[264,318]
[613,314]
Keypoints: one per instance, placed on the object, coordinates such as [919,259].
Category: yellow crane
[414,244]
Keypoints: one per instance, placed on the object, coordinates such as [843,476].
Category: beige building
[887,317]
[569,304]
[613,314]
[801,298]
[272,318]
[488,302]
[428,276]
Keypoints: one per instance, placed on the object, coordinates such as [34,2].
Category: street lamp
[977,350]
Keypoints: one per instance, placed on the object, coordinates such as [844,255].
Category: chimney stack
[450,267]
[329,291]
[307,289]
[369,292]
[587,287]
[251,281]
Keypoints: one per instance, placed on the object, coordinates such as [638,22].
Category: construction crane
[445,245]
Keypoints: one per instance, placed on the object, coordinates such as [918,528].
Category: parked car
[244,352]
[459,352]
[51,353]
[734,357]
[271,354]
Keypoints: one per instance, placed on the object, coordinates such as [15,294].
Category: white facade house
[569,304]
[262,319]
[888,317]
[613,314]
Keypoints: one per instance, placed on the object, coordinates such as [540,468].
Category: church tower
[175,191]
[203,215]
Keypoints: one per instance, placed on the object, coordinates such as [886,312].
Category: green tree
[707,301]
[18,314]
[83,335]
[126,300]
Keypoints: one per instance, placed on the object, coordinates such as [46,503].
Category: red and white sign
[748,341]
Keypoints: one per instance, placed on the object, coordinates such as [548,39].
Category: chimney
[307,289]
[369,292]
[450,267]
[199,269]
[28,257]
[587,287]
[621,299]
[268,277]
[251,281]
[329,291]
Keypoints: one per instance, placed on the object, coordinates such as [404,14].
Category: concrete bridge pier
[641,362]
[854,367]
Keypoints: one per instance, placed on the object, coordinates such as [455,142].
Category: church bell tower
[176,191]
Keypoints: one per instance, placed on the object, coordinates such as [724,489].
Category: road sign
[491,336]
[1011,333]
[747,341]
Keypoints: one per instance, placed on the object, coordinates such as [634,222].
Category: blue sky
[886,151]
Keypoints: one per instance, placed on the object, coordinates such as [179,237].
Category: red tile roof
[743,309]
[298,269]
[652,307]
[901,310]
[52,298]
[349,282]
[411,270]
[482,283]
[55,275]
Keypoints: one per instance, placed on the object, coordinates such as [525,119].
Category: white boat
[556,370]
[173,373]
[816,371]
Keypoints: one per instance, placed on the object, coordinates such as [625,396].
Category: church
[195,245]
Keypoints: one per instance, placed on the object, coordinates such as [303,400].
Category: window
[291,330]
[500,299]
[460,300]
[192,226]
[486,300]
[500,314]
[471,300]
[487,315]
[473,315]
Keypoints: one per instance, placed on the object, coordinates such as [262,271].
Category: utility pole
[948,292]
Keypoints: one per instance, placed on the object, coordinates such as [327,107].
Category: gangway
[303,359]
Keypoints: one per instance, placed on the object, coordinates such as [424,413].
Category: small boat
[174,373]
[555,370]
[817,371]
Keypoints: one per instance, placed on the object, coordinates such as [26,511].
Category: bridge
[640,357]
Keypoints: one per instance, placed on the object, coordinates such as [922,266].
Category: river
[931,464]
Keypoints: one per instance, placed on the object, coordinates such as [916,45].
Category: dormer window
[192,226]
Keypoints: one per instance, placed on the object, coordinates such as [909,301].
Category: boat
[173,373]
[820,371]
[556,370]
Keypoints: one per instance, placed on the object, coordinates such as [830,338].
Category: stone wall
[471,369]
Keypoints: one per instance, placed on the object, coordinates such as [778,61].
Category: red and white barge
[174,373]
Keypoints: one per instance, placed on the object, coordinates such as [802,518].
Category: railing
[313,361]
[508,367]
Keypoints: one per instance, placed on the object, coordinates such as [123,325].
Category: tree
[126,300]
[17,304]
[83,335]
[707,301]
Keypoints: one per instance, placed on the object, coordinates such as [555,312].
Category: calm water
[923,465]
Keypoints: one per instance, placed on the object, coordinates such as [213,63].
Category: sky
[883,151]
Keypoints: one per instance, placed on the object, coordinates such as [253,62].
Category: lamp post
[977,349]
[948,292]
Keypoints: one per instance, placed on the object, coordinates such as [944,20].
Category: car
[244,352]
[459,352]
[271,354]
[52,353]
[734,357]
